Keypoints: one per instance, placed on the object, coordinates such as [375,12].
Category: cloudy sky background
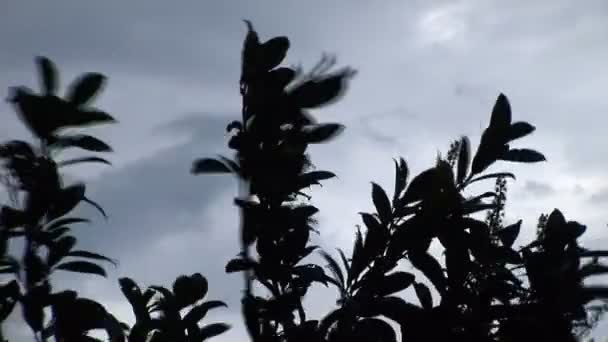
[428,72]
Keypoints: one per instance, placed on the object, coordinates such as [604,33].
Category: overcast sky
[428,72]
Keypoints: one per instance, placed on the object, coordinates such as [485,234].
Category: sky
[428,72]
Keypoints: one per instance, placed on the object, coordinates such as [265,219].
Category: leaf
[83,89]
[208,165]
[464,156]
[82,267]
[519,130]
[493,175]
[59,249]
[319,92]
[501,113]
[273,52]
[90,255]
[382,203]
[200,311]
[86,117]
[214,329]
[313,134]
[48,75]
[83,160]
[593,269]
[374,329]
[83,141]
[394,282]
[96,206]
[523,155]
[334,267]
[424,295]
[311,273]
[401,173]
[430,267]
[509,233]
[68,199]
[65,221]
[313,177]
[346,266]
[237,265]
[419,186]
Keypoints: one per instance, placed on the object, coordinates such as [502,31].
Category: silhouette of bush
[484,290]
[480,295]
[39,214]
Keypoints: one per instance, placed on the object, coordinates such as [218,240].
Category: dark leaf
[83,141]
[208,165]
[91,255]
[212,330]
[83,160]
[593,269]
[237,265]
[65,221]
[311,273]
[313,134]
[430,267]
[334,267]
[492,175]
[464,156]
[200,311]
[82,267]
[424,295]
[519,130]
[273,52]
[382,203]
[67,200]
[313,177]
[320,92]
[374,329]
[523,156]
[419,186]
[509,233]
[48,75]
[96,206]
[401,173]
[394,282]
[83,89]
[501,113]
[59,249]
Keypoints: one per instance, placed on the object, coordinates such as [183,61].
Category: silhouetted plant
[488,290]
[39,214]
[158,311]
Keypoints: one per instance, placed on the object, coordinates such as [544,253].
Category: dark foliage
[485,286]
[484,289]
[39,214]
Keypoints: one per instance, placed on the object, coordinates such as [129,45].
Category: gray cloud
[538,189]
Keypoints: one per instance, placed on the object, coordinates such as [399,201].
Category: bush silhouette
[484,290]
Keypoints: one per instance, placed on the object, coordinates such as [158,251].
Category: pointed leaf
[83,160]
[96,206]
[91,255]
[200,311]
[382,203]
[82,267]
[213,330]
[424,295]
[48,75]
[501,113]
[83,89]
[394,282]
[83,141]
[464,156]
[313,134]
[509,233]
[523,156]
[519,130]
[65,221]
[208,165]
